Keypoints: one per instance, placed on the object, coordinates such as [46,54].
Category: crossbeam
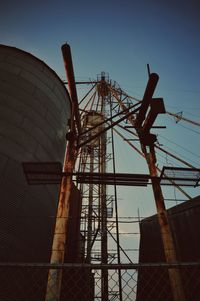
[40,173]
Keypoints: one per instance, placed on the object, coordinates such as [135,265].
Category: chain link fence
[126,282]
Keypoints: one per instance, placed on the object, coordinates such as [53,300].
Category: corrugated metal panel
[73,240]
[34,109]
[185,225]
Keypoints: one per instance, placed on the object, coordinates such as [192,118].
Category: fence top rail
[126,266]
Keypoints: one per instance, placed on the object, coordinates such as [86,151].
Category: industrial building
[185,225]
[59,220]
[35,108]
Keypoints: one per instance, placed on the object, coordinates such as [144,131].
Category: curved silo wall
[34,110]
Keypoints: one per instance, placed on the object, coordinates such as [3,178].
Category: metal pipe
[151,85]
[175,157]
[184,119]
[158,169]
[125,111]
[62,218]
[116,211]
[59,239]
[104,242]
[90,207]
[121,250]
[166,235]
[169,249]
[66,51]
[82,83]
[93,266]
[107,128]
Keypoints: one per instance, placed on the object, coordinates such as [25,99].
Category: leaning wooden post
[166,234]
[148,112]
[62,219]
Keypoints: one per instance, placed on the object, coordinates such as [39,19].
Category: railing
[139,282]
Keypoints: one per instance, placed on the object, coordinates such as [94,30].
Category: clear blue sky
[119,37]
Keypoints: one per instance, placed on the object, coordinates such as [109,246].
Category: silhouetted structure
[185,225]
[34,112]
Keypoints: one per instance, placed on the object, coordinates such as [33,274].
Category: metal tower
[97,207]
[90,163]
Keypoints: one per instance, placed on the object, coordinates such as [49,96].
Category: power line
[185,127]
[180,117]
[180,146]
[176,158]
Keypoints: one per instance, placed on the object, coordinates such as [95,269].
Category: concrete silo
[34,111]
